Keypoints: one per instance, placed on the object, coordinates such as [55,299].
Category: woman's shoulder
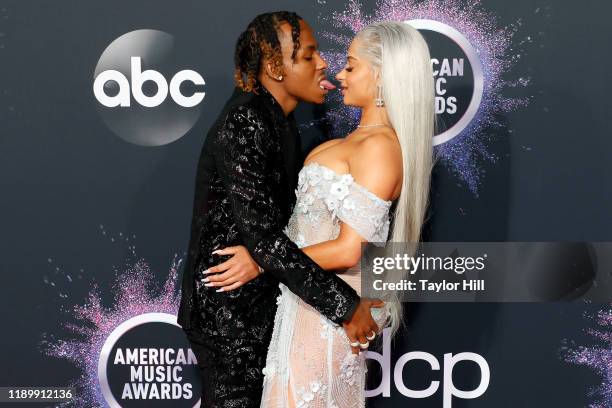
[377,163]
[380,144]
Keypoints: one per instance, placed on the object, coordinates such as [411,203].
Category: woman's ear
[377,78]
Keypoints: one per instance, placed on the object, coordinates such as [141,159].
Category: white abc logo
[138,78]
[449,390]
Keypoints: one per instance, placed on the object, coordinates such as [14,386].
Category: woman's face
[357,82]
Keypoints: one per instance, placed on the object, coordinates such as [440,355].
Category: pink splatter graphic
[135,294]
[495,49]
[597,357]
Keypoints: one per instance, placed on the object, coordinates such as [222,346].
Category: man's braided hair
[260,41]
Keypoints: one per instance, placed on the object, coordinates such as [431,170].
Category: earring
[280,78]
[379,99]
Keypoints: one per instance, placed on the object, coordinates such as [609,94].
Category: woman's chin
[347,101]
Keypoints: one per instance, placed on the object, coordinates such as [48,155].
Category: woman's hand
[234,272]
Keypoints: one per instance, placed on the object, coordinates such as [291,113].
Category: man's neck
[286,101]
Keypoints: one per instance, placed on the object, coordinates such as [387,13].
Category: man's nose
[322,63]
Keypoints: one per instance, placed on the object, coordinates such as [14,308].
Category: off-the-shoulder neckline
[359,186]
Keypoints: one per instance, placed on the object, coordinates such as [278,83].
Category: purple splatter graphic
[135,294]
[598,357]
[495,49]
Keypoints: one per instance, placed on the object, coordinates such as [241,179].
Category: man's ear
[272,71]
[269,70]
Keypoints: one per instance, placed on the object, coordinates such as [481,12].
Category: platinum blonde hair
[399,55]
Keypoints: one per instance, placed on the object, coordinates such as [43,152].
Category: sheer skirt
[310,363]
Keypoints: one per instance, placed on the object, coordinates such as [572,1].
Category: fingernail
[214,252]
[205,279]
[220,290]
[206,271]
[209,284]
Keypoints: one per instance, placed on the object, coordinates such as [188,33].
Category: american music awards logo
[459,80]
[131,353]
[146,361]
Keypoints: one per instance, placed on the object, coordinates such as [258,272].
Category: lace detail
[349,367]
[309,360]
[322,193]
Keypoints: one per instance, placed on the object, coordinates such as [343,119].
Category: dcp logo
[144,93]
[449,390]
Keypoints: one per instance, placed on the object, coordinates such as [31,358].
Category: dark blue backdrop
[69,185]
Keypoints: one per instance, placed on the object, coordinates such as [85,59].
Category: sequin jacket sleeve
[246,149]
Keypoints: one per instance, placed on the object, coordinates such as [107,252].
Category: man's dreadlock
[260,41]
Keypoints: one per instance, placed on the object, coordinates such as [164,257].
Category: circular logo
[147,362]
[144,93]
[458,76]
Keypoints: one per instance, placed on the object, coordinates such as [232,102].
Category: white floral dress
[309,362]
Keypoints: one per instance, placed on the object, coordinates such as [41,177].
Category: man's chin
[319,99]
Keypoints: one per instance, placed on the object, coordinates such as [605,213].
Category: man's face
[302,76]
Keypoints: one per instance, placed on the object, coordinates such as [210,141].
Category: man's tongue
[327,85]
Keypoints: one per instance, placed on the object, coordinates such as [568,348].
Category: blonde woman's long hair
[400,55]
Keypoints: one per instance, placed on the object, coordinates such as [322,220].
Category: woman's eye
[307,58]
[349,69]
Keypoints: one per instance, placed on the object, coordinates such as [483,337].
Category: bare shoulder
[381,147]
[377,163]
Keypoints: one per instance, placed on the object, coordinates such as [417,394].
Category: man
[245,185]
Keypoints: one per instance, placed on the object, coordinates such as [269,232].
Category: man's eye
[307,58]
[349,69]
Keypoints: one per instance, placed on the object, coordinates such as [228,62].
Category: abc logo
[138,78]
[144,92]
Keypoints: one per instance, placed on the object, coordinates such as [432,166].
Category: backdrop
[97,170]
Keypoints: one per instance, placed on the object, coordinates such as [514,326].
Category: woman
[346,192]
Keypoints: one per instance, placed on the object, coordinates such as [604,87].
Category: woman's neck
[372,115]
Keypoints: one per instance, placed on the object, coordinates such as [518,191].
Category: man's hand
[362,326]
[234,272]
